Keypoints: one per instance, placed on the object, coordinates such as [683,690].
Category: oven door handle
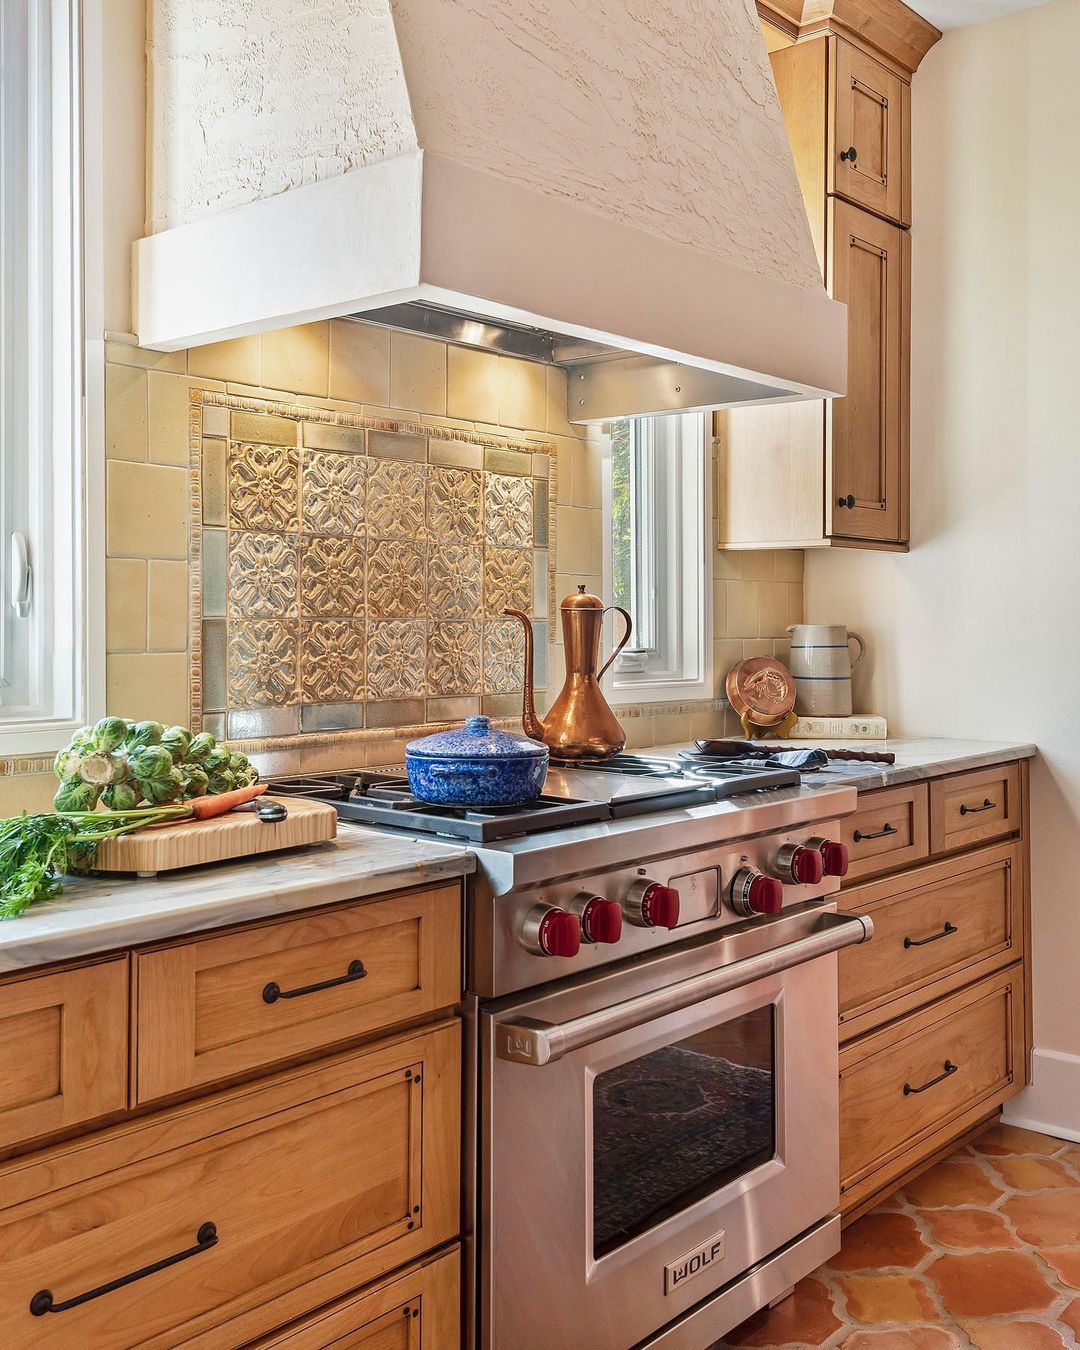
[525,1040]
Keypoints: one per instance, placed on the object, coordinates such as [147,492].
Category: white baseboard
[1051,1104]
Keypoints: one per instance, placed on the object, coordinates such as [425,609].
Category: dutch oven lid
[477,739]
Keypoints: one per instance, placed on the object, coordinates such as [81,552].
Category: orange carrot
[205,808]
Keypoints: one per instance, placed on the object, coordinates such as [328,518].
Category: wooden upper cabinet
[865,431]
[869,156]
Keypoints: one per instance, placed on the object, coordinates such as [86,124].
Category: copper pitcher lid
[582,600]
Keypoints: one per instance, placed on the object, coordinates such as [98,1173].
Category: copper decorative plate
[762,689]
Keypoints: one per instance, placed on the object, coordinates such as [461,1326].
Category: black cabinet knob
[850,154]
[848,501]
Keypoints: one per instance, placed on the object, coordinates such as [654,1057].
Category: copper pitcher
[580,724]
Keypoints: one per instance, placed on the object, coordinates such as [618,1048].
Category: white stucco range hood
[614,174]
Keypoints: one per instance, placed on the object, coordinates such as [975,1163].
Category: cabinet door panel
[869,120]
[865,444]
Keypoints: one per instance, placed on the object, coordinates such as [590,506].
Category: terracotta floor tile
[1002,1139]
[1067,1264]
[1071,1317]
[1047,1219]
[888,1298]
[952,1182]
[1033,1174]
[1013,1336]
[991,1284]
[881,1239]
[911,1338]
[969,1228]
[806,1317]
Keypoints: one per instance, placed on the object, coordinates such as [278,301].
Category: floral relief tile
[332,493]
[262,663]
[453,659]
[396,658]
[508,511]
[454,505]
[504,656]
[331,576]
[396,580]
[332,661]
[264,487]
[262,576]
[395,502]
[454,581]
[508,582]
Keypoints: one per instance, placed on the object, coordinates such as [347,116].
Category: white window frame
[52,380]
[675,560]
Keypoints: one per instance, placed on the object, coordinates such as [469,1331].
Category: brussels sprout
[101,768]
[216,760]
[195,780]
[224,780]
[143,734]
[176,740]
[247,776]
[201,746]
[67,761]
[121,797]
[110,732]
[74,794]
[166,787]
[151,761]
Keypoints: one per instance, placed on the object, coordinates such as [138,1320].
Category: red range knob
[651,905]
[560,933]
[660,906]
[834,857]
[753,893]
[550,931]
[601,920]
[807,866]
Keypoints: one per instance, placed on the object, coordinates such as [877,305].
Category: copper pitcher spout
[580,724]
[530,723]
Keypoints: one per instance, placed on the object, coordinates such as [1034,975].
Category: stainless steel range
[651,1046]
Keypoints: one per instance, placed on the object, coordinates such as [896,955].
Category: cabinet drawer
[900,1084]
[889,830]
[870,117]
[275,1199]
[225,1005]
[934,924]
[63,1049]
[972,808]
[420,1310]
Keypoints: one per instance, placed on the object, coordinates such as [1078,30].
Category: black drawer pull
[273,991]
[848,501]
[987,805]
[947,931]
[850,154]
[883,833]
[42,1302]
[949,1069]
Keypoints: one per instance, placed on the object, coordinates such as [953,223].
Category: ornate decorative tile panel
[363,572]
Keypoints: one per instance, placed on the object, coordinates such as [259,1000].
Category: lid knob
[479,723]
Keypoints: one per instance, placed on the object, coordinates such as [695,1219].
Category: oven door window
[679,1123]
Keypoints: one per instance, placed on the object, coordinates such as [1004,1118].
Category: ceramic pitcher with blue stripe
[821,663]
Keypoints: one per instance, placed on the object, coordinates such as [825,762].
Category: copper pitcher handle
[625,638]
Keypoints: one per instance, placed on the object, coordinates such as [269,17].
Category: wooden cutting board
[240,834]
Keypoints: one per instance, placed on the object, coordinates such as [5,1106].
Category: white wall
[977,631]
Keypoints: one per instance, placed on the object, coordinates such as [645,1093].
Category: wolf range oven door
[634,1164]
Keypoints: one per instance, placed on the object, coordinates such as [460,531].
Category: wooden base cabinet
[419,1310]
[935,1011]
[210,1224]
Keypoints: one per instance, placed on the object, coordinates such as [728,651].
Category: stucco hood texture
[610,169]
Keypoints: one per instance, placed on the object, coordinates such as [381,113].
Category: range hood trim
[466,229]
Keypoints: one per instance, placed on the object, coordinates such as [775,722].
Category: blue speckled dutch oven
[476,765]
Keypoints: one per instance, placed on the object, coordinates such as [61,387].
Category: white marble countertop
[100,914]
[917,759]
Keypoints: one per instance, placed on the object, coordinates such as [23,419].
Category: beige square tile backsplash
[367,372]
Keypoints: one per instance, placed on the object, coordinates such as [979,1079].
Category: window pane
[675,1125]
